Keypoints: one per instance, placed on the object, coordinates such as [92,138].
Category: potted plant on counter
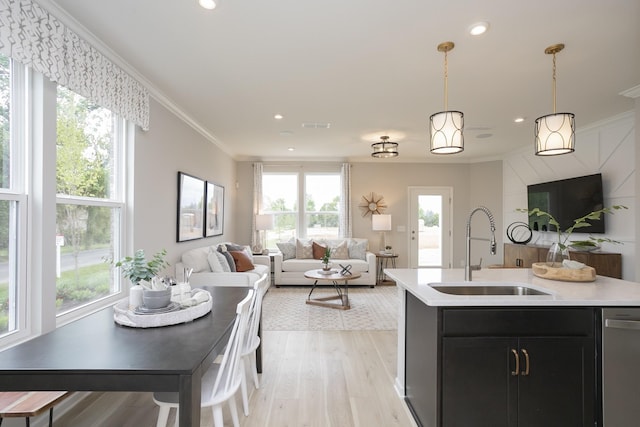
[559,250]
[137,269]
[140,273]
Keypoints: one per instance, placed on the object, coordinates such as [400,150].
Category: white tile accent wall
[608,148]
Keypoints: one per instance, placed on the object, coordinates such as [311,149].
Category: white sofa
[198,259]
[290,270]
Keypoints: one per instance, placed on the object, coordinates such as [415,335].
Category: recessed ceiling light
[290,148]
[519,119]
[478,28]
[207,4]
[278,117]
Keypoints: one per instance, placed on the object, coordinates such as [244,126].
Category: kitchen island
[494,360]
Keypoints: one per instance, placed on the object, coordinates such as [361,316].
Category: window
[317,218]
[12,198]
[89,201]
[280,198]
[322,198]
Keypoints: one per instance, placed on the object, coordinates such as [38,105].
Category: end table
[382,263]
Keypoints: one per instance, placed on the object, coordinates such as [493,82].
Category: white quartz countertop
[603,292]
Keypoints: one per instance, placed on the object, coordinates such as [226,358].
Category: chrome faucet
[492,241]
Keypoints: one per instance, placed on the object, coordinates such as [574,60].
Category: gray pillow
[288,250]
[217,262]
[233,247]
[357,250]
[232,264]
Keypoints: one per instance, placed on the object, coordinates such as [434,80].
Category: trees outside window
[89,203]
[317,218]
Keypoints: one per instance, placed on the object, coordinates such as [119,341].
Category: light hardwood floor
[310,378]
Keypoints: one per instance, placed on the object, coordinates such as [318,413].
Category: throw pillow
[318,250]
[357,250]
[247,250]
[223,250]
[288,250]
[235,247]
[341,251]
[304,249]
[223,261]
[242,261]
[214,262]
[196,259]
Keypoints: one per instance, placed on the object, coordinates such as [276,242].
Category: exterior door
[430,227]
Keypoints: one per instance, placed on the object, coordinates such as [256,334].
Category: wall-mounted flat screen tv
[567,200]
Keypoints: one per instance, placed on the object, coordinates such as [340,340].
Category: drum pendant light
[555,133]
[446,126]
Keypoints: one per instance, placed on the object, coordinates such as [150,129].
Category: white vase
[135,296]
[556,255]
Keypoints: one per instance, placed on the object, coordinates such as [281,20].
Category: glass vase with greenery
[579,223]
[560,250]
[325,258]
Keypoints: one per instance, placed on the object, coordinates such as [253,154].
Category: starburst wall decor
[372,204]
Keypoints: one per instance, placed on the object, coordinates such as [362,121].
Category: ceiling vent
[316,125]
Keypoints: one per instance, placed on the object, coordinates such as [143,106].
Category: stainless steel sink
[486,289]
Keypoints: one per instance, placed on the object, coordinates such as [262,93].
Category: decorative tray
[327,272]
[584,274]
[122,315]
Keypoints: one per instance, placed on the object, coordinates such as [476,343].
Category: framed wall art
[191,196]
[214,219]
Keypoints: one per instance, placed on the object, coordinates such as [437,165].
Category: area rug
[284,309]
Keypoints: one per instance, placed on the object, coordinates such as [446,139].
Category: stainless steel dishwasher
[621,366]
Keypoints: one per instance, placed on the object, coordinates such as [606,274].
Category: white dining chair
[221,381]
[252,341]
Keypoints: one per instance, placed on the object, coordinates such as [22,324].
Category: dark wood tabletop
[96,354]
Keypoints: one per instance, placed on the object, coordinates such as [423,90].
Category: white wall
[607,147]
[168,147]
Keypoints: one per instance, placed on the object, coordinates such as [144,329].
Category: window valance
[32,36]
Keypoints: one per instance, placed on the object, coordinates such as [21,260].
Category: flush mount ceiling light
[555,133]
[478,28]
[385,148]
[446,126]
[207,4]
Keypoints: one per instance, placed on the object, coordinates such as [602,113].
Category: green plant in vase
[325,258]
[136,268]
[560,249]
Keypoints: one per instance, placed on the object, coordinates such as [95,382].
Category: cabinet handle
[526,363]
[517,357]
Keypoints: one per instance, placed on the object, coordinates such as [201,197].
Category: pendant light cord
[554,83]
[446,82]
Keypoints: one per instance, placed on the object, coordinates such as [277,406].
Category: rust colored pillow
[242,261]
[318,250]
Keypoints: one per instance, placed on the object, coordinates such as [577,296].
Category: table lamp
[264,222]
[381,222]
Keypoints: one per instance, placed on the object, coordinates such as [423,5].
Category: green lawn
[72,290]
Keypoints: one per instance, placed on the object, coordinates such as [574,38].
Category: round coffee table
[335,278]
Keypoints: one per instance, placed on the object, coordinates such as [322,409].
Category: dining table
[95,353]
